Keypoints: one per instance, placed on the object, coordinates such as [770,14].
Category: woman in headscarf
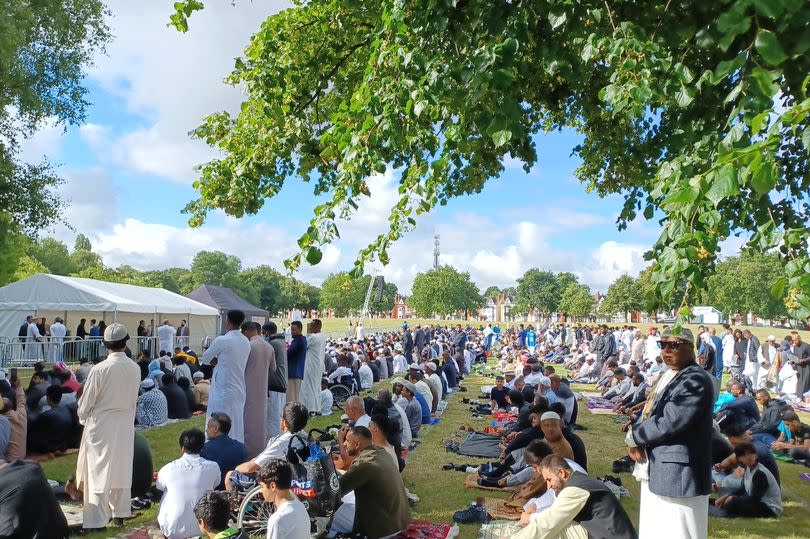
[155,372]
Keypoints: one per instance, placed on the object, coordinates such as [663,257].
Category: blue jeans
[764,437]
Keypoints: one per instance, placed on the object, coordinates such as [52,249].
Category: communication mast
[435,251]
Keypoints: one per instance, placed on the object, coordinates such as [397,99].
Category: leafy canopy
[44,48]
[444,291]
[623,296]
[696,112]
[541,291]
[576,301]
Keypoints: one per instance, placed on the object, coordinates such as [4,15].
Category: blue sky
[129,170]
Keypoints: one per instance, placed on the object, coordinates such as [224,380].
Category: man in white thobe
[107,411]
[652,348]
[310,395]
[728,347]
[229,355]
[58,332]
[165,334]
[33,348]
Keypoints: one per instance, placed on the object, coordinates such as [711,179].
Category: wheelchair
[342,389]
[252,511]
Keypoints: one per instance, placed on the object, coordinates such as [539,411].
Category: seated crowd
[542,459]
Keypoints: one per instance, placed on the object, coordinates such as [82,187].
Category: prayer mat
[781,456]
[427,530]
[486,389]
[480,445]
[591,394]
[73,514]
[496,529]
[168,422]
[601,411]
[501,509]
[804,476]
[471,481]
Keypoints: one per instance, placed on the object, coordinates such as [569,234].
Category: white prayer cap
[544,381]
[771,338]
[115,332]
[147,384]
[549,415]
[198,374]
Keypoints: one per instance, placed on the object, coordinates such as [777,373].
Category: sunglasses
[672,345]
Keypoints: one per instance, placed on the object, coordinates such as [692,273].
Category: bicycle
[253,511]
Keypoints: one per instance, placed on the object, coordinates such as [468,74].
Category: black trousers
[746,506]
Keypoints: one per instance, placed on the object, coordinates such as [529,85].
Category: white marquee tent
[75,298]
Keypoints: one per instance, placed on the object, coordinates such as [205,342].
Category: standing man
[33,350]
[531,340]
[107,411]
[421,340]
[313,368]
[277,380]
[58,332]
[228,354]
[296,357]
[182,334]
[671,444]
[261,362]
[165,334]
[407,344]
[802,351]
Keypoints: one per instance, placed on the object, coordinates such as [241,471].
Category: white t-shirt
[363,421]
[277,448]
[183,482]
[290,521]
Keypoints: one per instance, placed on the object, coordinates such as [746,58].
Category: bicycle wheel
[339,394]
[254,513]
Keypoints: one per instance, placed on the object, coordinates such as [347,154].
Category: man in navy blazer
[671,444]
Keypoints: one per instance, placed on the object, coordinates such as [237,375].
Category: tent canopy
[55,295]
[224,300]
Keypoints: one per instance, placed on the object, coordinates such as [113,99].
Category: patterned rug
[499,528]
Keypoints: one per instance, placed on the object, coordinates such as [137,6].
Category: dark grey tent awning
[226,300]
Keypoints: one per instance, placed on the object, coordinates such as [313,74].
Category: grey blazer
[678,434]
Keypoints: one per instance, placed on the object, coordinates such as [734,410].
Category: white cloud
[171,80]
[90,200]
[147,246]
[612,259]
[45,142]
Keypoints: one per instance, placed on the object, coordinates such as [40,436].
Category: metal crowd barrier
[20,351]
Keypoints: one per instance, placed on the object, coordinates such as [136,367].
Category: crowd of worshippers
[257,387]
[664,385]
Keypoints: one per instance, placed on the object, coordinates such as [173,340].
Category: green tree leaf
[724,185]
[768,46]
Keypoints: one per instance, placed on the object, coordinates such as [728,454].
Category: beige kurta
[261,361]
[107,411]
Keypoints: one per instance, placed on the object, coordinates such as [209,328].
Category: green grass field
[442,492]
